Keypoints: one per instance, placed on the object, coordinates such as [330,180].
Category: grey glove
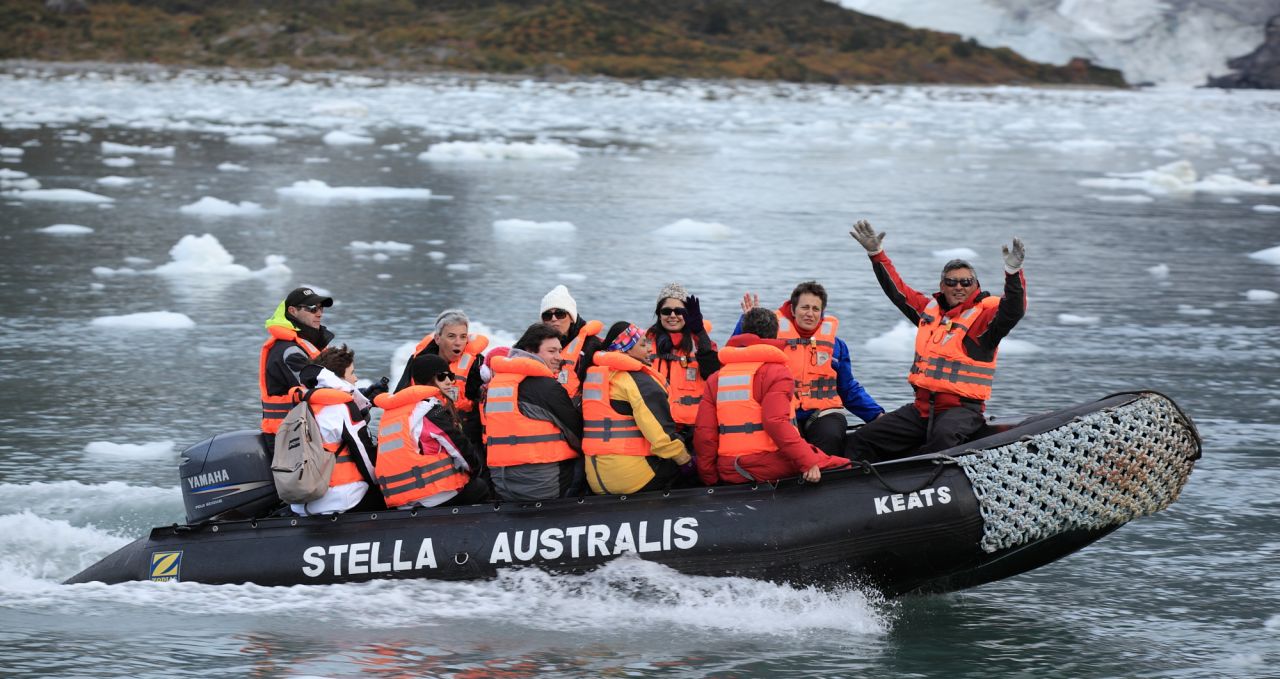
[865,235]
[1013,256]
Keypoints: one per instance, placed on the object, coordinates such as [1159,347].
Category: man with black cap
[958,334]
[296,337]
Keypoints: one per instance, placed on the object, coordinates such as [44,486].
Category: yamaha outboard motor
[227,477]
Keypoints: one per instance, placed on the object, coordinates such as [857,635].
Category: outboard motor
[227,477]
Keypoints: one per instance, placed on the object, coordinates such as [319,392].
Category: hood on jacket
[747,339]
[280,317]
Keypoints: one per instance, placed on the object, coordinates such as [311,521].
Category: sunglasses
[445,377]
[953,282]
[311,308]
[558,314]
[672,311]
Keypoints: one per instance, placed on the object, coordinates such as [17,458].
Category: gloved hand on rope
[1013,256]
[867,236]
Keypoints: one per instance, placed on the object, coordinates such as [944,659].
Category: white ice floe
[6,173]
[108,271]
[496,150]
[252,140]
[75,137]
[149,320]
[1267,209]
[436,255]
[458,266]
[115,180]
[392,147]
[119,162]
[1159,270]
[340,108]
[1010,346]
[60,196]
[232,167]
[955,253]
[1180,178]
[384,276]
[380,257]
[204,256]
[573,277]
[1188,310]
[97,287]
[216,207]
[114,149]
[316,192]
[66,230]
[1270,255]
[690,229]
[11,152]
[1077,145]
[1073,319]
[519,228]
[384,245]
[898,341]
[340,138]
[1261,295]
[132,260]
[153,449]
[19,182]
[1135,198]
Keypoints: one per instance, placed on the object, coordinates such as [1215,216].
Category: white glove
[865,235]
[1013,256]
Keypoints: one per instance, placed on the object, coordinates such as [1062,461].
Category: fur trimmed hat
[674,291]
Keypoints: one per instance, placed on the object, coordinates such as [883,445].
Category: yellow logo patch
[166,566]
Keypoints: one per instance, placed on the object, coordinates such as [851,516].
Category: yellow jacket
[641,394]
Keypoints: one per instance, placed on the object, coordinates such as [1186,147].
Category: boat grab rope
[1099,470]
[939,464]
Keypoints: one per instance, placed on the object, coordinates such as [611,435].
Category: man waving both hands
[959,329]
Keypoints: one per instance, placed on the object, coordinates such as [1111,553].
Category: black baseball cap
[306,297]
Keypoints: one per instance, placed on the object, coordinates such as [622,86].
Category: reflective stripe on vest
[606,431]
[404,471]
[276,406]
[741,419]
[684,386]
[812,363]
[941,364]
[511,438]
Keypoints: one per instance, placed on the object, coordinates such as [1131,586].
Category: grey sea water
[1137,281]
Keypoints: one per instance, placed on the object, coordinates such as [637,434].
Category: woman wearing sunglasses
[683,353]
[560,311]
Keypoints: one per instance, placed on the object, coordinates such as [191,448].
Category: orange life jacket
[344,465]
[474,351]
[510,437]
[606,431]
[812,363]
[684,383]
[740,415]
[276,406]
[941,365]
[568,375]
[404,471]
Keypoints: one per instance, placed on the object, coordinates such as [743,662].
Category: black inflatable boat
[1024,495]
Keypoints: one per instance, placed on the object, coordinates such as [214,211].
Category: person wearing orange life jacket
[822,368]
[533,432]
[959,329]
[745,432]
[465,355]
[338,408]
[577,337]
[628,436]
[296,337]
[684,354]
[423,458]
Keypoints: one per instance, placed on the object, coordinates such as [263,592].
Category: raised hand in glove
[372,391]
[692,315]
[1013,256]
[867,236]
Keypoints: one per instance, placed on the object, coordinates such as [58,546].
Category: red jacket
[772,389]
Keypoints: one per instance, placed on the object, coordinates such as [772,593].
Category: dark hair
[425,367]
[760,322]
[811,287]
[336,359]
[535,335]
[661,337]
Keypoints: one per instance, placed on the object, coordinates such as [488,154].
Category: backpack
[301,466]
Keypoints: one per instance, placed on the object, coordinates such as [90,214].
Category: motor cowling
[227,477]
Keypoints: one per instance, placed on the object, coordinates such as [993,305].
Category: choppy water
[1192,592]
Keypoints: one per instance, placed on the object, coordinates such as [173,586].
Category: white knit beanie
[674,291]
[559,298]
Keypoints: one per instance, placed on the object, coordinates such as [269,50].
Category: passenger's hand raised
[749,302]
[867,236]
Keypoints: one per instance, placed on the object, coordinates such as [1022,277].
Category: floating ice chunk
[149,320]
[136,261]
[692,229]
[11,152]
[203,256]
[108,271]
[97,287]
[252,140]
[216,207]
[119,162]
[1267,209]
[20,184]
[435,241]
[522,227]
[1077,145]
[385,245]
[1188,310]
[315,161]
[1261,295]
[1270,255]
[114,180]
[344,108]
[1135,198]
[232,167]
[6,173]
[573,277]
[436,255]
[1010,346]
[384,276]
[493,150]
[1159,270]
[899,341]
[66,230]
[340,138]
[275,268]
[114,149]
[61,196]
[392,147]
[154,449]
[32,143]
[1073,319]
[459,266]
[75,137]
[1180,177]
[955,253]
[317,192]
[380,257]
